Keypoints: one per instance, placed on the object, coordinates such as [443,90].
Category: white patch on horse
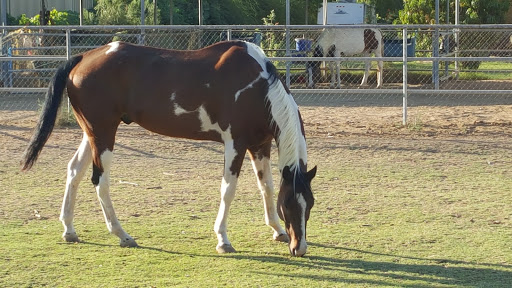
[114,46]
[208,125]
[249,86]
[207,85]
[347,41]
[302,245]
[206,121]
[255,52]
[178,110]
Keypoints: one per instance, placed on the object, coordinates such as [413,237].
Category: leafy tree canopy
[471,11]
[124,12]
[56,18]
[229,12]
[385,10]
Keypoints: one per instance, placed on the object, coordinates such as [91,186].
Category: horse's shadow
[435,272]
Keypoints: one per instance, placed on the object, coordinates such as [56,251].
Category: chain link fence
[423,65]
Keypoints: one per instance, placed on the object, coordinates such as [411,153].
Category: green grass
[388,213]
[418,72]
[486,70]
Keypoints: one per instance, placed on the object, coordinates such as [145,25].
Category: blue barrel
[394,47]
[302,46]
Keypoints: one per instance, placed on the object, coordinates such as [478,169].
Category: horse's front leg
[261,165]
[232,164]
[76,171]
[309,71]
[332,71]
[338,74]
[366,72]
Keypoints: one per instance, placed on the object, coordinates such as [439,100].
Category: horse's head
[313,67]
[294,204]
[447,44]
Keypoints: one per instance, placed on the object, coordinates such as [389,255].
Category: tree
[56,18]
[64,17]
[123,12]
[297,11]
[483,11]
[471,11]
[111,12]
[385,10]
[215,12]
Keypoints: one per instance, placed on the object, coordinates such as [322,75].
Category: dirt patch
[333,122]
[464,121]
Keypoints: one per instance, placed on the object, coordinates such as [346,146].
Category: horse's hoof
[70,237]
[225,248]
[128,242]
[282,238]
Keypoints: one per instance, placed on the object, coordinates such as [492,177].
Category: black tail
[48,116]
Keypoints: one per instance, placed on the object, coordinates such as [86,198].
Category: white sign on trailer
[343,13]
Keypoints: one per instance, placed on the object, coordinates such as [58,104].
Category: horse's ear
[318,51]
[332,51]
[287,174]
[311,174]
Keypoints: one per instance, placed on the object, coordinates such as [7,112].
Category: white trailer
[345,13]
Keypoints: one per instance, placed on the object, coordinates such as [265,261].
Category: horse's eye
[288,201]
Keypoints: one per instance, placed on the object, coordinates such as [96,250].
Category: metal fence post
[68,56]
[404,71]
[288,54]
[287,39]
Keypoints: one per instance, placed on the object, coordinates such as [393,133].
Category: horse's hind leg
[102,147]
[380,70]
[367,65]
[333,76]
[76,171]
[338,74]
[261,165]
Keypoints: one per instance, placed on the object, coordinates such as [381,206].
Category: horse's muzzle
[298,248]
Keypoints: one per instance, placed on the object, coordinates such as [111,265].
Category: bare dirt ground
[327,129]
[343,121]
[458,121]
[491,122]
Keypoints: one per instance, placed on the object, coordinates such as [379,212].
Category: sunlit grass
[388,213]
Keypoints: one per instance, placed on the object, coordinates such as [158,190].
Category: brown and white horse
[340,42]
[228,92]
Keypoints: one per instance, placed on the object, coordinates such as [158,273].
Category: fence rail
[433,63]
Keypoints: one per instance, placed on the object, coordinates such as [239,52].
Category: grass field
[395,207]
